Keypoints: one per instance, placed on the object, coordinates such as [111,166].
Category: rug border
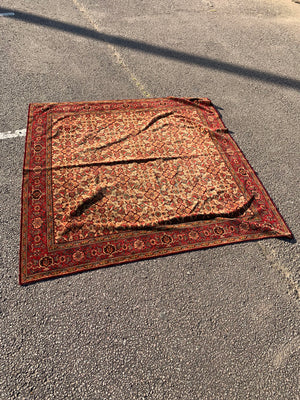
[29,122]
[151,257]
[290,235]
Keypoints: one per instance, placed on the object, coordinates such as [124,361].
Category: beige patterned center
[135,169]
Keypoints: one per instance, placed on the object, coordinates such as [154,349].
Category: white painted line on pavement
[9,14]
[10,134]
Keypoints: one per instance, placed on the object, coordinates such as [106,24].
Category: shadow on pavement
[144,47]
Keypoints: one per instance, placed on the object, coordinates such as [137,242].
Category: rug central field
[117,181]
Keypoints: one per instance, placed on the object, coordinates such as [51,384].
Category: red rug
[116,181]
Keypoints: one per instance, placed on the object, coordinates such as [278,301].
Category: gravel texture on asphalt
[221,323]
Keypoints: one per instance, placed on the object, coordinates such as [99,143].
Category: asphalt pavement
[221,323]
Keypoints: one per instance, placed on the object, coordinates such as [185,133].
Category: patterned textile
[117,181]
